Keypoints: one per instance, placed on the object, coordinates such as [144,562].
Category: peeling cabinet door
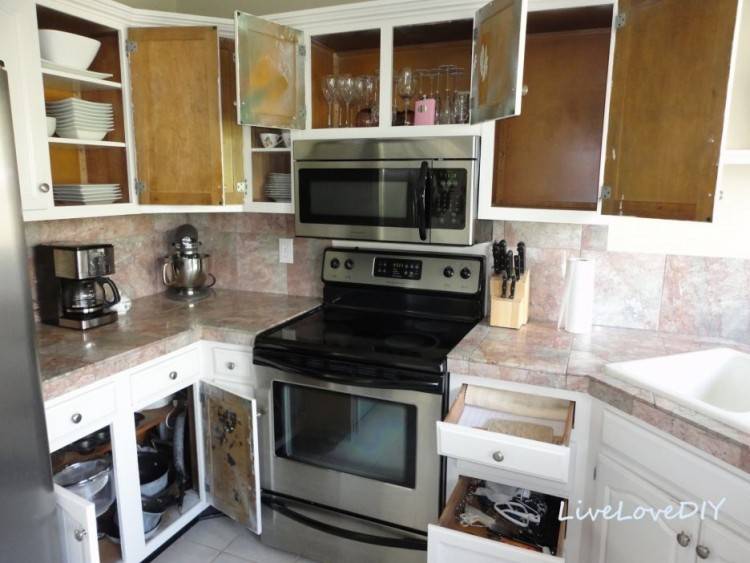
[231,451]
[77,518]
[270,73]
[497,60]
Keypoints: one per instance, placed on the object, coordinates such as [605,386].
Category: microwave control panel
[448,199]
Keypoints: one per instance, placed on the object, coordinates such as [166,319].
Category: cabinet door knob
[230,365]
[683,539]
[76,418]
[173,375]
[702,551]
[80,534]
[44,187]
[498,456]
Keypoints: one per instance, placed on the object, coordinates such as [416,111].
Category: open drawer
[452,540]
[518,432]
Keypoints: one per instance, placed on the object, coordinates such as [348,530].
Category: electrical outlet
[286,251]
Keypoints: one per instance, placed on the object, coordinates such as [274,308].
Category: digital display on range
[398,268]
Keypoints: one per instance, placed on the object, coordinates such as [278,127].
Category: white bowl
[83,134]
[51,122]
[69,49]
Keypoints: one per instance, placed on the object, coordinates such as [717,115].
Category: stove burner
[410,340]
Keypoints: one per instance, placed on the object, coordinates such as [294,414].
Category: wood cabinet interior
[231,132]
[670,78]
[81,164]
[462,496]
[549,157]
[427,47]
[355,53]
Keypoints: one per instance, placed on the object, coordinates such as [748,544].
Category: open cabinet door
[497,61]
[77,518]
[669,91]
[231,452]
[174,76]
[270,73]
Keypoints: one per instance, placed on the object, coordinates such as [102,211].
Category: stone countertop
[540,354]
[154,326]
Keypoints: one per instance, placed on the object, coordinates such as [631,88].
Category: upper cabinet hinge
[241,187]
[140,187]
[302,50]
[475,33]
[606,192]
[621,20]
[595,472]
[130,46]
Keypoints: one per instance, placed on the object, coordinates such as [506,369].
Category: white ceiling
[225,8]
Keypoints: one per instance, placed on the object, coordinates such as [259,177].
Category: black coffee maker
[73,290]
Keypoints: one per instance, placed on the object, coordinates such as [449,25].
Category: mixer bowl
[187,271]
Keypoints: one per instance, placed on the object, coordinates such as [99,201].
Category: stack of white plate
[278,186]
[87,194]
[81,119]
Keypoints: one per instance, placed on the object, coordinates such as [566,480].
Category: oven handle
[403,543]
[423,190]
[354,380]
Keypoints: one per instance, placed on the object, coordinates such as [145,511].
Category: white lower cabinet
[718,544]
[643,540]
[220,465]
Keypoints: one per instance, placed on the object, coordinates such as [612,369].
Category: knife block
[506,312]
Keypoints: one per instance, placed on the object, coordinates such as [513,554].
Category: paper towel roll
[577,308]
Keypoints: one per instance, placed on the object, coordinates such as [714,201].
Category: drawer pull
[683,539]
[231,365]
[172,375]
[702,551]
[80,534]
[498,456]
[76,418]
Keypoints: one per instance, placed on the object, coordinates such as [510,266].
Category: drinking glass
[461,107]
[345,90]
[406,90]
[446,106]
[360,97]
[371,97]
[329,93]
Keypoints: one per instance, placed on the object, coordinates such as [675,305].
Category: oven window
[347,433]
[359,196]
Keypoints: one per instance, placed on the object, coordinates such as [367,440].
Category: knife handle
[512,287]
[517,266]
[521,257]
[505,287]
[509,263]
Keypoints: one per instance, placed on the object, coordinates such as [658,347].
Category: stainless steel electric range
[349,395]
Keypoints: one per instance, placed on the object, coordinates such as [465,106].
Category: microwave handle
[279,506]
[423,190]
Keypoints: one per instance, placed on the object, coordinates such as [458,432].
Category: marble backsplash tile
[243,247]
[683,294]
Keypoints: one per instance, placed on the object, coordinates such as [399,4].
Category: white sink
[714,382]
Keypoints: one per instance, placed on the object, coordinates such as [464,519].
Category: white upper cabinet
[497,62]
[270,73]
[19,52]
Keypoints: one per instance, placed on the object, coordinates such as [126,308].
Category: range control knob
[349,264]
[335,263]
[465,273]
[448,272]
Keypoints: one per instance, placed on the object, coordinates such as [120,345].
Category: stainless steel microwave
[393,190]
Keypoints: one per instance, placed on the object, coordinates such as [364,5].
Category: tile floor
[221,540]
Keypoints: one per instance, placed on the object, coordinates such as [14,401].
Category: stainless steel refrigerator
[28,523]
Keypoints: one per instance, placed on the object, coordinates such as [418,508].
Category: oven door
[360,449]
[363,200]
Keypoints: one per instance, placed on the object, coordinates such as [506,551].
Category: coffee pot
[185,271]
[85,297]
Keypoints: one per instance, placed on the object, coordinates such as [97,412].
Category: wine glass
[329,93]
[345,90]
[360,97]
[406,90]
[371,97]
[446,107]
